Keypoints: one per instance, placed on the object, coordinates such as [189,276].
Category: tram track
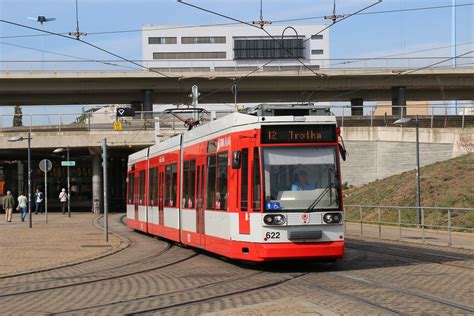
[116,273]
[401,253]
[431,298]
[156,296]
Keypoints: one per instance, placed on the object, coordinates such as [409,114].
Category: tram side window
[131,186]
[221,192]
[256,180]
[244,180]
[192,183]
[171,176]
[141,186]
[211,182]
[185,184]
[153,195]
[189,175]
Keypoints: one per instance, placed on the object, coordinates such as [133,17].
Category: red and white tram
[264,185]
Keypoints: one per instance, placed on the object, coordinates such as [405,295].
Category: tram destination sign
[272,134]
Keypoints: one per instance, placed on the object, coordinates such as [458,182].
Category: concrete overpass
[41,88]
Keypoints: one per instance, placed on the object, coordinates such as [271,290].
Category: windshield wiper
[319,198]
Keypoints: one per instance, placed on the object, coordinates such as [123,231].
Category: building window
[190,55]
[317,36]
[317,52]
[162,40]
[268,48]
[203,40]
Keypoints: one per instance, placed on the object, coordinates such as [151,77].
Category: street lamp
[19,139]
[405,120]
[42,20]
[60,150]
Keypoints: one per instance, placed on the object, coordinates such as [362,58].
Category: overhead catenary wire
[273,38]
[229,24]
[78,59]
[402,73]
[84,42]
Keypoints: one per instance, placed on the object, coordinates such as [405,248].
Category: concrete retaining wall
[379,152]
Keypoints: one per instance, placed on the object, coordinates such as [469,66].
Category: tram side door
[200,209]
[244,186]
[136,191]
[161,198]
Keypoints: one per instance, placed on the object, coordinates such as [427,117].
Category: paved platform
[60,242]
[463,240]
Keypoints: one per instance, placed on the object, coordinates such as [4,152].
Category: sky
[357,37]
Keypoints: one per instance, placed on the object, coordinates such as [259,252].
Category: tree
[18,117]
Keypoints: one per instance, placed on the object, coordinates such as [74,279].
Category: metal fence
[437,117]
[401,222]
[93,121]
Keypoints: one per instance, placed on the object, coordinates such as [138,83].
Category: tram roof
[230,123]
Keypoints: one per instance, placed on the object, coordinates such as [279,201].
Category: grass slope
[448,183]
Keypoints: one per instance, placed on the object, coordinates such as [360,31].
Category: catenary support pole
[29,181]
[418,188]
[106,204]
[68,187]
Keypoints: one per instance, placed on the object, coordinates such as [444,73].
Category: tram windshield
[300,179]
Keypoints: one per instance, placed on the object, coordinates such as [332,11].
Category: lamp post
[418,182]
[60,150]
[19,139]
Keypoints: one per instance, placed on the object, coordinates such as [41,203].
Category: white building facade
[233,47]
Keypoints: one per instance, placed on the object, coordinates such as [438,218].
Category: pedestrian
[8,204]
[63,199]
[39,197]
[22,206]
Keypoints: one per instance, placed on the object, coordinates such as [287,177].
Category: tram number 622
[272,235]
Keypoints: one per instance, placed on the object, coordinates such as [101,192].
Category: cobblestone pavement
[61,241]
[152,276]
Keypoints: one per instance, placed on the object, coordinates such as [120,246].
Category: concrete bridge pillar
[399,98]
[356,107]
[148,102]
[97,180]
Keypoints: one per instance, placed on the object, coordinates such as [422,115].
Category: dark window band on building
[203,40]
[317,36]
[268,48]
[162,40]
[317,52]
[190,55]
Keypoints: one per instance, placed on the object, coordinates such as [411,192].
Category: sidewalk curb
[124,244]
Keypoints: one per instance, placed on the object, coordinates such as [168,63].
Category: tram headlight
[332,218]
[279,219]
[274,219]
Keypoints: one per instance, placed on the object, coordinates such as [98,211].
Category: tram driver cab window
[300,178]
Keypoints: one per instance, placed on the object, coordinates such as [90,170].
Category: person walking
[63,199]
[22,206]
[39,197]
[8,204]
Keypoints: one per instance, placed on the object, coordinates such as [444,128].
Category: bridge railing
[432,116]
[219,65]
[450,225]
[92,121]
